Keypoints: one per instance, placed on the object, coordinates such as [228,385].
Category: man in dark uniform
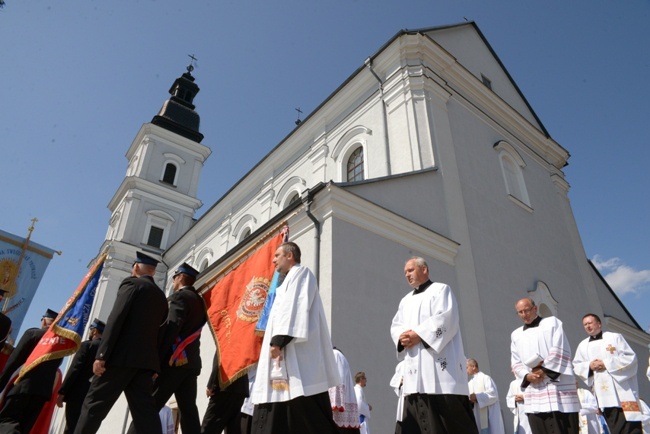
[77,380]
[24,402]
[224,406]
[179,350]
[127,357]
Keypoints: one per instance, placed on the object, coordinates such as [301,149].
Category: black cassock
[437,414]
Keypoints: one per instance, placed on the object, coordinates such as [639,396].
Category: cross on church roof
[298,121]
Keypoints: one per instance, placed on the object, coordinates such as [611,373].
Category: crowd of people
[544,396]
[302,385]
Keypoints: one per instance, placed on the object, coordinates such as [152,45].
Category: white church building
[430,149]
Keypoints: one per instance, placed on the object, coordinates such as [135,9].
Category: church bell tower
[156,202]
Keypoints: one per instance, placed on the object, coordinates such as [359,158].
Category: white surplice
[396,384]
[589,423]
[344,401]
[546,343]
[617,385]
[520,425]
[487,410]
[433,315]
[308,358]
[364,409]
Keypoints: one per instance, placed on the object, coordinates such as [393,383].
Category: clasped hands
[409,339]
[597,365]
[537,375]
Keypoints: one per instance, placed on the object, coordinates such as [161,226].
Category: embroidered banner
[22,265]
[234,305]
[64,335]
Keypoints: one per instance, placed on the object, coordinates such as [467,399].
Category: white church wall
[367,285]
[516,246]
[467,46]
[417,196]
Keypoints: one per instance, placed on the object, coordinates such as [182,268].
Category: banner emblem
[253,300]
[8,272]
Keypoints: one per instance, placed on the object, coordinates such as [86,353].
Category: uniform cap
[97,324]
[141,258]
[184,268]
[50,314]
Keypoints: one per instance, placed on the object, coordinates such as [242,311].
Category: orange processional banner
[234,305]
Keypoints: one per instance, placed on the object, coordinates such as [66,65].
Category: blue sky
[79,78]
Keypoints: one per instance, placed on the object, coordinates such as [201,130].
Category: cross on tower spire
[192,64]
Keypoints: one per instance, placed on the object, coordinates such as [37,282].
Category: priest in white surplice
[589,421]
[396,384]
[344,401]
[484,396]
[541,361]
[515,402]
[608,365]
[296,366]
[426,334]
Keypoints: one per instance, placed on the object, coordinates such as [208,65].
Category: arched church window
[355,165]
[295,197]
[512,166]
[169,175]
[204,258]
[244,227]
[290,191]
[349,153]
[245,233]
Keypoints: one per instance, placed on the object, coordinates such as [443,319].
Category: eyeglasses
[525,311]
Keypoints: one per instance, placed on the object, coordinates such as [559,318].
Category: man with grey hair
[541,361]
[426,333]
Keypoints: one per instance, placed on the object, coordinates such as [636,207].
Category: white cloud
[622,278]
